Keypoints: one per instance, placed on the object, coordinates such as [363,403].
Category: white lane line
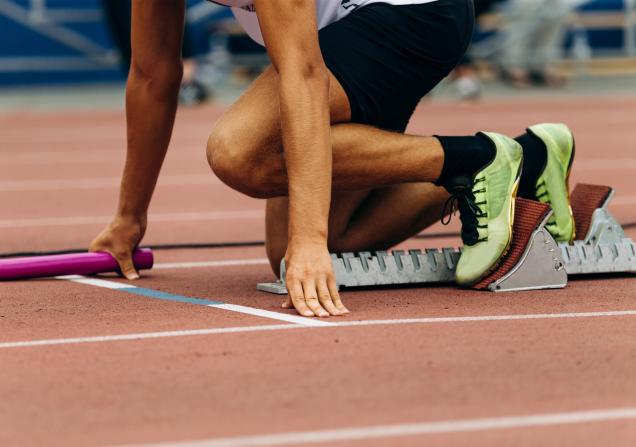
[432,320]
[193,152]
[160,217]
[204,264]
[100,182]
[178,217]
[104,284]
[38,134]
[301,321]
[146,336]
[337,324]
[414,429]
[160,295]
[83,157]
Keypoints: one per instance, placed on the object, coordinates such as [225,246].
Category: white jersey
[328,11]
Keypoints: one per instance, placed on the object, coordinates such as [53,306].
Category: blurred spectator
[466,77]
[532,36]
[117,13]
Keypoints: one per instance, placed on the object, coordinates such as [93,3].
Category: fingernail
[133,277]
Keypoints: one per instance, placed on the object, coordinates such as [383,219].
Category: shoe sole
[567,189]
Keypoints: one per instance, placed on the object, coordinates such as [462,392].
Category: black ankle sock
[535,156]
[464,157]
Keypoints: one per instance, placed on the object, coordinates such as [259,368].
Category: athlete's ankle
[464,157]
[534,160]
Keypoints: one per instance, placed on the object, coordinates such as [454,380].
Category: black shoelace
[470,211]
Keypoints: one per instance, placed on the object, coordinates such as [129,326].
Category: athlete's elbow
[317,77]
[311,71]
[160,78]
[315,72]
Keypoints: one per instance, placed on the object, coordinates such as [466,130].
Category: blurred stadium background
[67,43]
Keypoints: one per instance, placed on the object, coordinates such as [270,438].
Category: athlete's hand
[120,238]
[311,282]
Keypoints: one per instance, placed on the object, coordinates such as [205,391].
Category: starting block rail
[535,260]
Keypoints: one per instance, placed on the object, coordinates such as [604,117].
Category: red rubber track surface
[58,186]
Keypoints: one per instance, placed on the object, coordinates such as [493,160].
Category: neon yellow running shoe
[487,206]
[552,186]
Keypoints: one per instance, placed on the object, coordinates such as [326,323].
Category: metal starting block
[383,268]
[604,248]
[534,261]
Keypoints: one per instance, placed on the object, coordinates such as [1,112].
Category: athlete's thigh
[252,123]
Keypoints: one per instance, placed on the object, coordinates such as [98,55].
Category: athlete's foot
[552,184]
[486,204]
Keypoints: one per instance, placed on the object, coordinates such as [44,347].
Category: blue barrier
[66,41]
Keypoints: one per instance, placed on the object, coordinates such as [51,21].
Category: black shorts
[388,57]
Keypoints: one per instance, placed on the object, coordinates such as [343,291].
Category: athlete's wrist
[313,237]
[131,215]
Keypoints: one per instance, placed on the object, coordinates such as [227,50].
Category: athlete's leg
[245,149]
[362,220]
[249,134]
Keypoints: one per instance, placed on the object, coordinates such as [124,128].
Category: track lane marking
[203,216]
[96,282]
[158,294]
[61,157]
[192,152]
[145,336]
[340,324]
[203,264]
[160,217]
[297,319]
[100,183]
[413,429]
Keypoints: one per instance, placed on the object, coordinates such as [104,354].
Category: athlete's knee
[224,158]
[236,164]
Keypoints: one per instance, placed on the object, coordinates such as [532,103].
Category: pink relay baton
[69,264]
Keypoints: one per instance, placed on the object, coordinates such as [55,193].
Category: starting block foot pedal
[533,260]
[382,268]
[594,223]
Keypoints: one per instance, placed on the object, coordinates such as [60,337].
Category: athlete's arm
[291,36]
[151,104]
